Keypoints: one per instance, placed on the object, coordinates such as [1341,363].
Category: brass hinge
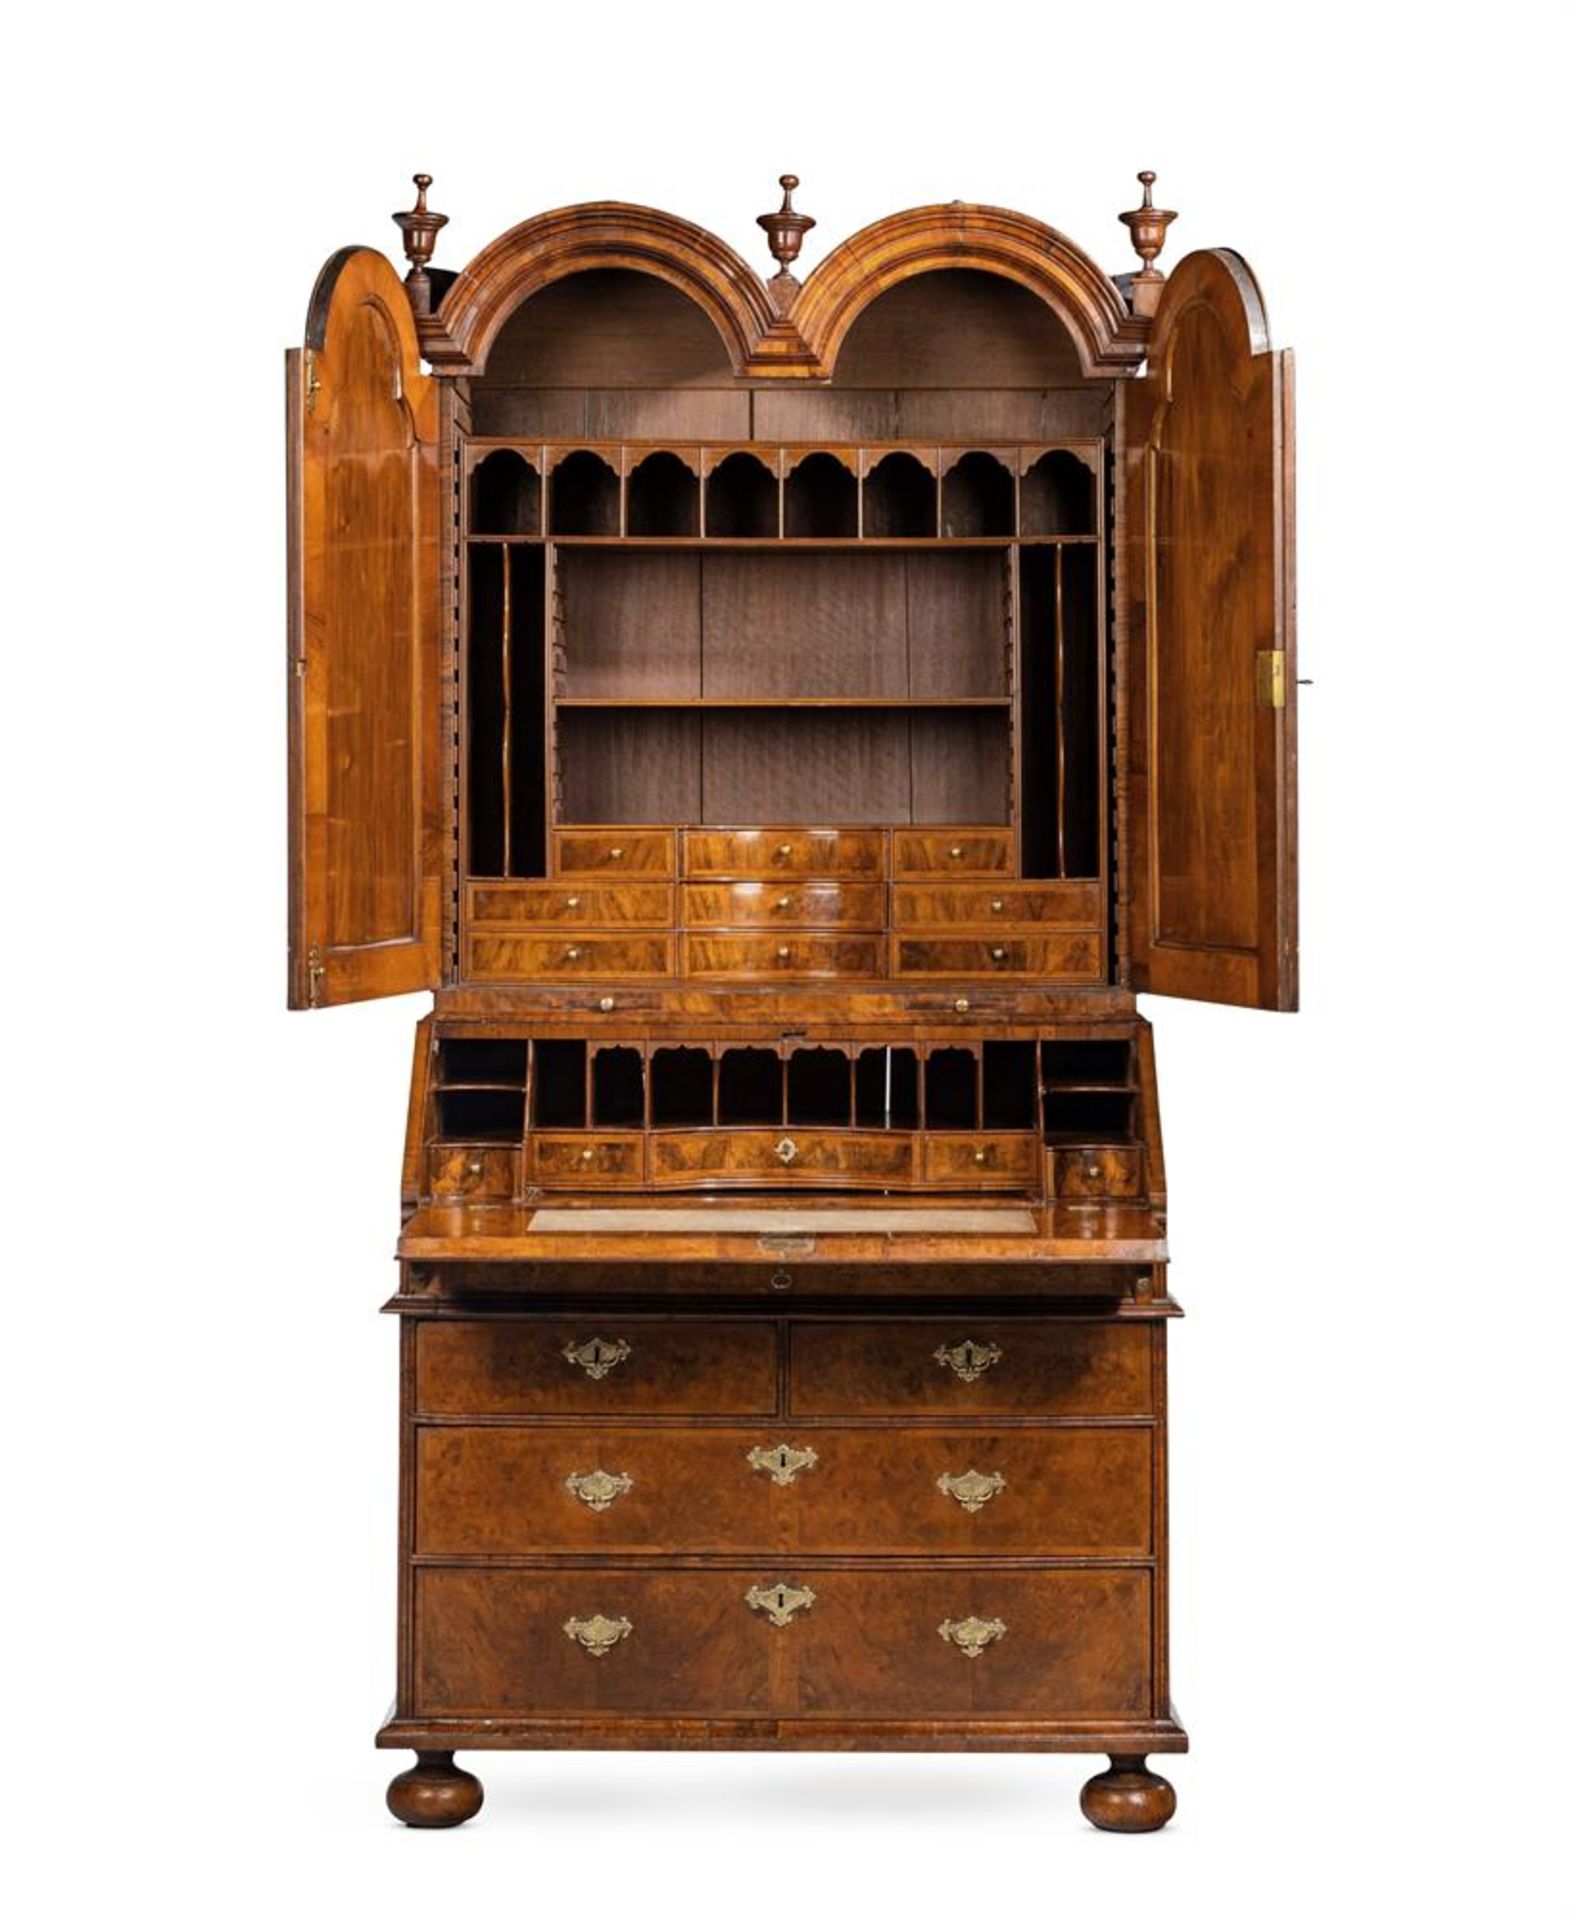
[309,362]
[1271,677]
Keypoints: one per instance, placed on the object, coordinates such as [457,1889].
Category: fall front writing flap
[365,832]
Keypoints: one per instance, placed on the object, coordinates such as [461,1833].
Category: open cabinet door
[1211,729]
[363,511]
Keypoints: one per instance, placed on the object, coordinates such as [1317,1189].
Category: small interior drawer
[981,1159]
[600,1159]
[956,850]
[1053,903]
[484,1173]
[750,853]
[590,956]
[1114,1173]
[1072,957]
[798,903]
[763,956]
[770,1157]
[532,903]
[612,851]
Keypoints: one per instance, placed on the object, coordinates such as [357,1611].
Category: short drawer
[962,1642]
[613,851]
[751,853]
[588,1489]
[588,956]
[758,1157]
[800,903]
[981,1159]
[956,850]
[596,1365]
[767,956]
[1071,957]
[1114,1173]
[1056,903]
[548,904]
[971,1366]
[574,1159]
[483,1173]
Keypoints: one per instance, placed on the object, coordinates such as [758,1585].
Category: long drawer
[1050,903]
[599,1365]
[512,903]
[769,956]
[1069,957]
[1051,1643]
[796,903]
[583,956]
[762,1156]
[603,1489]
[971,1367]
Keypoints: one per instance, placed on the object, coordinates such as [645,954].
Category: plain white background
[1372,1215]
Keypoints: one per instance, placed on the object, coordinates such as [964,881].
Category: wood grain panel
[614,854]
[1052,1368]
[758,903]
[981,1159]
[753,852]
[482,1173]
[943,852]
[671,1366]
[527,903]
[766,956]
[590,956]
[583,1159]
[1069,957]
[1055,903]
[752,1157]
[1097,1172]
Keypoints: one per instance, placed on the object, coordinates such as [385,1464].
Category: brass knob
[573,901]
[783,903]
[588,1153]
[997,906]
[961,1006]
[999,954]
[980,1156]
[956,853]
[572,953]
[783,953]
[606,1004]
[474,1168]
[784,851]
[616,853]
[1092,1169]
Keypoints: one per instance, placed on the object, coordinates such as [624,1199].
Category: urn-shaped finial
[419,230]
[1147,225]
[785,229]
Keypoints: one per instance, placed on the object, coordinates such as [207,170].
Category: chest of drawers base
[724,1526]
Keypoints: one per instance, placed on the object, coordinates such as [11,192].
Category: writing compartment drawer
[800,903]
[496,1641]
[960,1642]
[981,1159]
[971,1366]
[545,903]
[596,1365]
[1053,903]
[752,853]
[1075,958]
[573,1159]
[958,850]
[767,1157]
[613,851]
[587,1489]
[588,956]
[484,1173]
[802,956]
[1108,1173]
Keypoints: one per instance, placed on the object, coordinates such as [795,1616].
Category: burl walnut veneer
[786,726]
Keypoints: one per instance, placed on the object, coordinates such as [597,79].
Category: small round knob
[961,1006]
[783,953]
[474,1168]
[572,953]
[980,1156]
[616,853]
[784,851]
[997,906]
[999,954]
[783,903]
[606,1004]
[1092,1169]
[588,1153]
[573,902]
[781,1281]
[956,853]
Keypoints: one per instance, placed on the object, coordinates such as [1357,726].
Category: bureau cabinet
[785,725]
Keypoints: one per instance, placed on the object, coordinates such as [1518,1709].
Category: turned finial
[1147,225]
[785,229]
[419,230]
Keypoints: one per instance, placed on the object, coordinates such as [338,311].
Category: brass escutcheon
[597,1489]
[780,1602]
[970,1358]
[786,1150]
[596,1356]
[599,1633]
[973,1636]
[972,1490]
[783,1462]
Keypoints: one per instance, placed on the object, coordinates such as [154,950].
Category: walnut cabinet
[785,726]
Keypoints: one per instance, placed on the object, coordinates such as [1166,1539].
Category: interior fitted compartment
[505,695]
[887,1087]
[1060,755]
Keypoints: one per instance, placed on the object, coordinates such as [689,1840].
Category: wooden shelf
[769,542]
[691,702]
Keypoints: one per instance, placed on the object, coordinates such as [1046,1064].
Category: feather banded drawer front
[773,721]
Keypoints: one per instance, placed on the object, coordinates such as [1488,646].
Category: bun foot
[434,1793]
[1128,1797]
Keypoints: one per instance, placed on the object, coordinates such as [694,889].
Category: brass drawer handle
[573,901]
[599,1633]
[780,1602]
[999,955]
[969,1359]
[588,1154]
[572,953]
[956,853]
[973,1636]
[783,852]
[597,1489]
[597,1357]
[972,1490]
[616,853]
[783,1462]
[997,906]
[982,1155]
[783,903]
[474,1169]
[783,953]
